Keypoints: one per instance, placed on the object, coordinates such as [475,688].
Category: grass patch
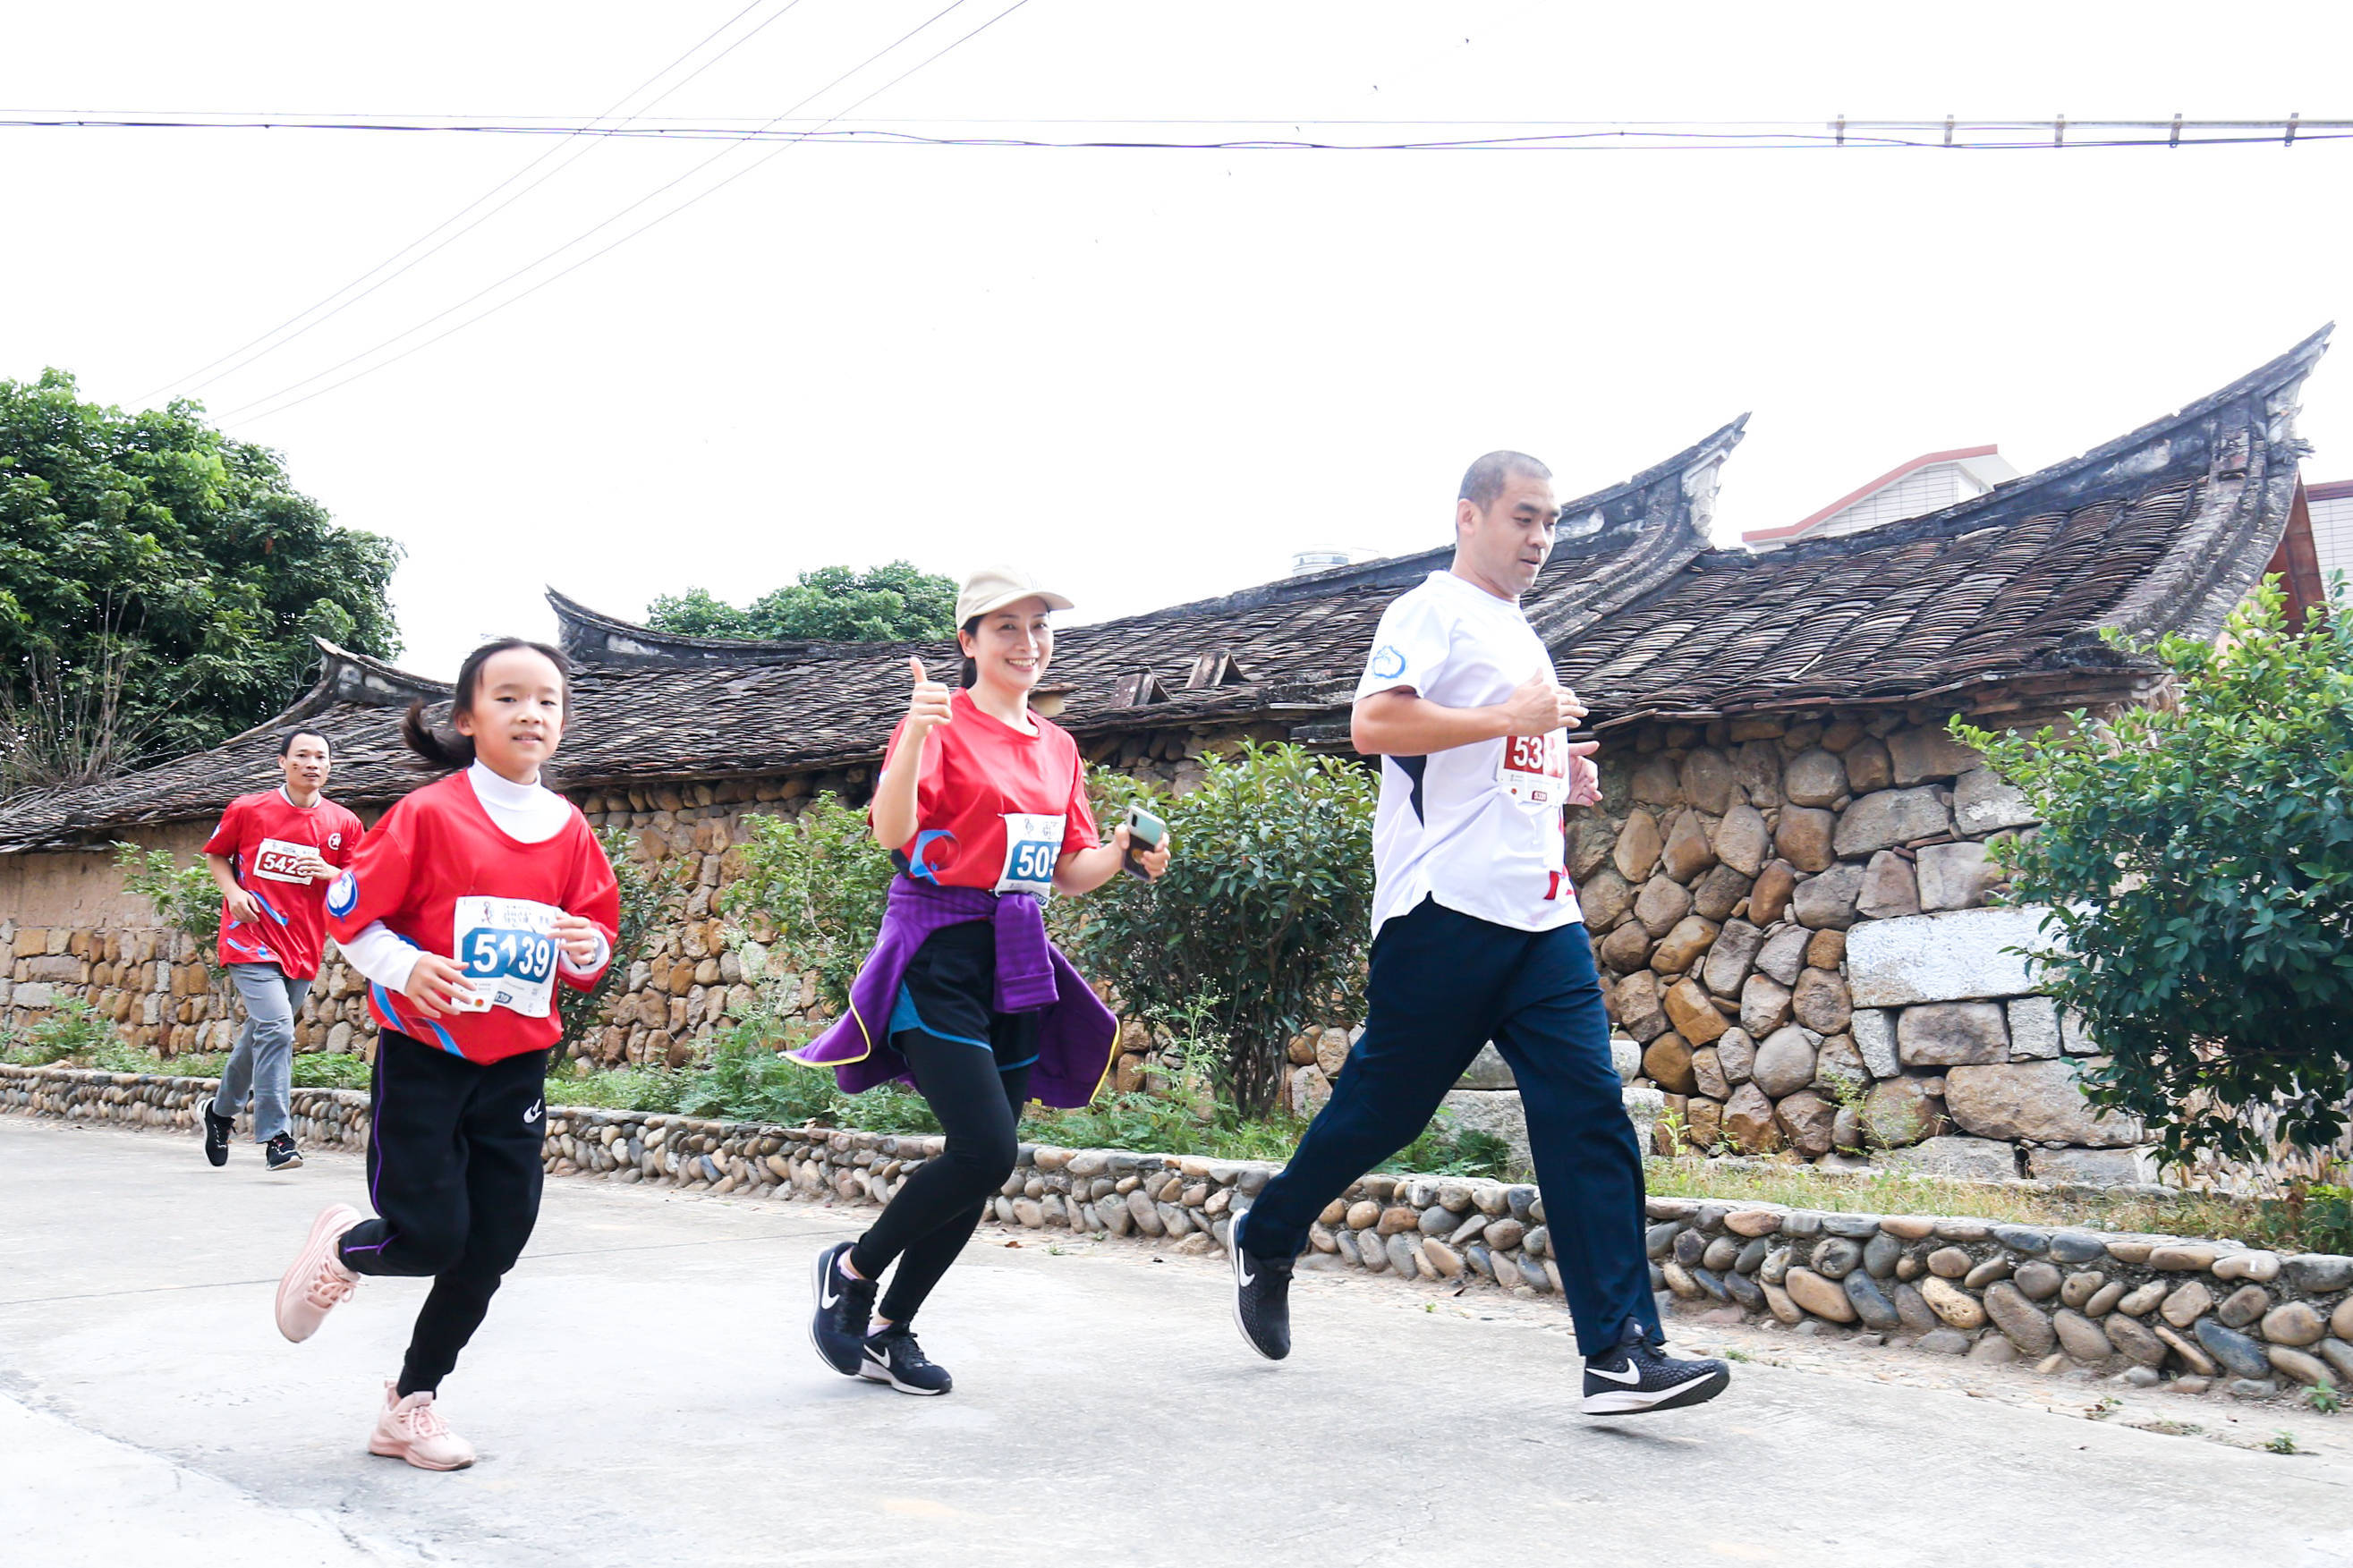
[2282,1224]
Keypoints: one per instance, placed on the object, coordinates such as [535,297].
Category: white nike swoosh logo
[1241,1270]
[828,1296]
[1631,1376]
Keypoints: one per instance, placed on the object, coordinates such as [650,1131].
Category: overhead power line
[590,136]
[272,402]
[1949,134]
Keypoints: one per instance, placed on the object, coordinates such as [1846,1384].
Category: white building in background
[1930,482]
[2331,506]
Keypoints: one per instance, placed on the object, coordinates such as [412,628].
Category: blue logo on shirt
[343,895]
[1388,662]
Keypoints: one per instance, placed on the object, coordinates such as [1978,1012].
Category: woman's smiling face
[1013,645]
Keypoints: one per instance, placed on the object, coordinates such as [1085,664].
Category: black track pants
[1442,985]
[929,1218]
[454,1175]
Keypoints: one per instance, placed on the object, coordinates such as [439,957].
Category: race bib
[278,861]
[1032,845]
[508,948]
[1534,770]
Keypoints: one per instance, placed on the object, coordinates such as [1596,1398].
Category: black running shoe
[1261,1298]
[282,1154]
[843,1305]
[1638,1375]
[217,1130]
[892,1356]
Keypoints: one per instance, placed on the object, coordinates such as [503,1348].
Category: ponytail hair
[968,672]
[442,751]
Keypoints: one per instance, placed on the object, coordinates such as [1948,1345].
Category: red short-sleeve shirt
[996,809]
[263,835]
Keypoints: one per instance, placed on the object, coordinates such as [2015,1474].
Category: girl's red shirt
[441,874]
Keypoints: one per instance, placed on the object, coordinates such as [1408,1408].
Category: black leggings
[933,1216]
[454,1173]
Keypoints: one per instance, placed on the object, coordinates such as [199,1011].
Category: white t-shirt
[1477,828]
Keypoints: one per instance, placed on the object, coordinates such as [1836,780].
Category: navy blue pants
[1442,985]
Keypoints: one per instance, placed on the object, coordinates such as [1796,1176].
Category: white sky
[1151,377]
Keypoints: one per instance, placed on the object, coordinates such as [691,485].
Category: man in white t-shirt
[1477,936]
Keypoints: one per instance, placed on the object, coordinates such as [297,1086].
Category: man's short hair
[1484,479]
[286,740]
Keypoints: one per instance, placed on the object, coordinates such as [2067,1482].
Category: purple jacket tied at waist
[1076,1040]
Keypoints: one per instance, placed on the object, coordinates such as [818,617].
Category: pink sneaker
[413,1429]
[317,1282]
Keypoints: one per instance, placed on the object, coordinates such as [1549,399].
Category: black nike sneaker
[217,1130]
[843,1305]
[282,1154]
[1261,1298]
[892,1356]
[1637,1376]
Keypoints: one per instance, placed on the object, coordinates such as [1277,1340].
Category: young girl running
[984,807]
[463,907]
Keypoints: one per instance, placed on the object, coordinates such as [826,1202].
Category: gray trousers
[263,1062]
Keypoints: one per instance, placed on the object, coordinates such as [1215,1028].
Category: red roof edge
[2297,563]
[1848,499]
[2333,489]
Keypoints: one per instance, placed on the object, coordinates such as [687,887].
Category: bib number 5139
[518,954]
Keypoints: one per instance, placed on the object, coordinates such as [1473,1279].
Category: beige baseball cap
[994,587]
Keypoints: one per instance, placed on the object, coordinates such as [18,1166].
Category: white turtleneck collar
[530,812]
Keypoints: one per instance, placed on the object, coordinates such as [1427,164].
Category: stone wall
[2146,1309]
[1791,921]
[68,930]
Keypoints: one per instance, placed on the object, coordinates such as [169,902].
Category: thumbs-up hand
[927,707]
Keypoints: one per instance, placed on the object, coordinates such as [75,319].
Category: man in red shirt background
[272,855]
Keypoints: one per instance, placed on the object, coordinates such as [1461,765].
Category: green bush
[815,886]
[185,898]
[329,1069]
[72,1028]
[649,895]
[1265,906]
[742,1078]
[2198,858]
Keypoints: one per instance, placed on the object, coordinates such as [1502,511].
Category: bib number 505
[1033,843]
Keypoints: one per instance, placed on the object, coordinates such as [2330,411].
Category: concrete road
[644,1392]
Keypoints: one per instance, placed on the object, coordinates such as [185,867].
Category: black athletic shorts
[948,990]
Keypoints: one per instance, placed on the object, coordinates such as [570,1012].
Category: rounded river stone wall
[2146,1308]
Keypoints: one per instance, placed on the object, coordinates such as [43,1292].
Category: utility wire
[2058,135]
[590,136]
[281,407]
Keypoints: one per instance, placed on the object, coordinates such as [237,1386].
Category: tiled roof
[2162,530]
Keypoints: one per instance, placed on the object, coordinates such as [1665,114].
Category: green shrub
[742,1078]
[815,886]
[654,1089]
[72,1028]
[2199,862]
[186,898]
[649,894]
[329,1069]
[1265,906]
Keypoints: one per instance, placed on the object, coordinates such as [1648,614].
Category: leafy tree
[896,603]
[2198,860]
[159,583]
[1265,906]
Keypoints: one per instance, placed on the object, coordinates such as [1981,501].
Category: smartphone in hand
[1144,831]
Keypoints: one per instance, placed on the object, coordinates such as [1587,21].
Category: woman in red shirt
[465,907]
[982,805]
